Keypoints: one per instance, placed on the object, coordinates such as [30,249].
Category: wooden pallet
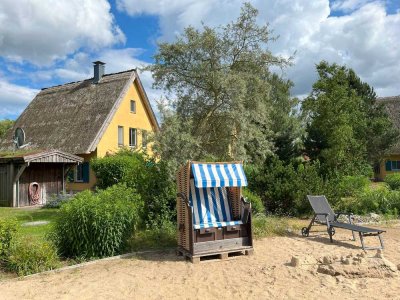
[213,256]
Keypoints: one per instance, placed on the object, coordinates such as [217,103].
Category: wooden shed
[44,170]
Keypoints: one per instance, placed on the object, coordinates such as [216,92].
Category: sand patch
[267,274]
[349,266]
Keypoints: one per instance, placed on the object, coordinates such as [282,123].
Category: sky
[50,42]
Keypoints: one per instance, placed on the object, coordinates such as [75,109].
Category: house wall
[108,144]
[123,117]
[80,186]
[382,172]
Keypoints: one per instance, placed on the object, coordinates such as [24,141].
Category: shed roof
[392,106]
[73,117]
[53,156]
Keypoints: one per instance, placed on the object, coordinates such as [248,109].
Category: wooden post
[15,184]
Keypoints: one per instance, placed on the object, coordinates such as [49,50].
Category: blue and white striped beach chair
[213,217]
[211,207]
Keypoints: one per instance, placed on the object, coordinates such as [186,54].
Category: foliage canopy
[221,85]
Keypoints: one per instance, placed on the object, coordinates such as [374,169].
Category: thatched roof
[392,105]
[73,117]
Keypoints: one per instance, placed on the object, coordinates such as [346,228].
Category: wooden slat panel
[49,177]
[3,186]
[221,245]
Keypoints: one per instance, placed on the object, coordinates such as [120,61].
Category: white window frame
[130,137]
[122,136]
[395,163]
[76,179]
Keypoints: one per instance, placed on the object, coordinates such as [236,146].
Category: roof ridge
[389,98]
[87,79]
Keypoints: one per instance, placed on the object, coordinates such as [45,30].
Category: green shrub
[393,202]
[27,256]
[393,180]
[97,224]
[256,203]
[8,231]
[151,179]
[283,187]
[308,182]
[350,185]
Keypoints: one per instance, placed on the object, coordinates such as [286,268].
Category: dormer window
[133,106]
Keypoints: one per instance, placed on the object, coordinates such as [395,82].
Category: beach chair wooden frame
[195,243]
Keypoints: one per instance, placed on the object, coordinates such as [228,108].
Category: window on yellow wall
[392,165]
[81,173]
[132,137]
[144,139]
[133,106]
[120,136]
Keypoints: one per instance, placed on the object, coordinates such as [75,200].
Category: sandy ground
[266,274]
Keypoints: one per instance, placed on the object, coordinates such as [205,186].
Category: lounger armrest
[185,199]
[246,210]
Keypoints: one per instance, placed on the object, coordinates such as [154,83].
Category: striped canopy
[218,175]
[211,207]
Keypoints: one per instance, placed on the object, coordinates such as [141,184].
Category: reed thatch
[72,117]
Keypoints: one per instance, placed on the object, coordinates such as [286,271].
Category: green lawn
[23,215]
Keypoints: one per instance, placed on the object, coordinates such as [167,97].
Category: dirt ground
[266,274]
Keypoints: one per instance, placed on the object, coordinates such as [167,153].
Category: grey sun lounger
[323,214]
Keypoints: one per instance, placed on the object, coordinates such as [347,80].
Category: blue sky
[50,42]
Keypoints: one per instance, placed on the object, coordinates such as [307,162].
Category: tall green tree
[346,129]
[220,83]
[285,120]
[5,125]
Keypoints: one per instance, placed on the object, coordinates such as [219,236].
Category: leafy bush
[393,202]
[379,200]
[97,224]
[257,205]
[393,180]
[8,231]
[351,185]
[151,179]
[27,256]
[283,187]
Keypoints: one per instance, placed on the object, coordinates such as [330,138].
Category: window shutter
[388,165]
[85,172]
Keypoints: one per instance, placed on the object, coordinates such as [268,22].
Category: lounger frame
[330,220]
[195,243]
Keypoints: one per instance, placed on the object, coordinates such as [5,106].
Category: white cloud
[14,98]
[41,32]
[366,39]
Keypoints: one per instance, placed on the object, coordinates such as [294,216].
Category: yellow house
[391,162]
[90,118]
